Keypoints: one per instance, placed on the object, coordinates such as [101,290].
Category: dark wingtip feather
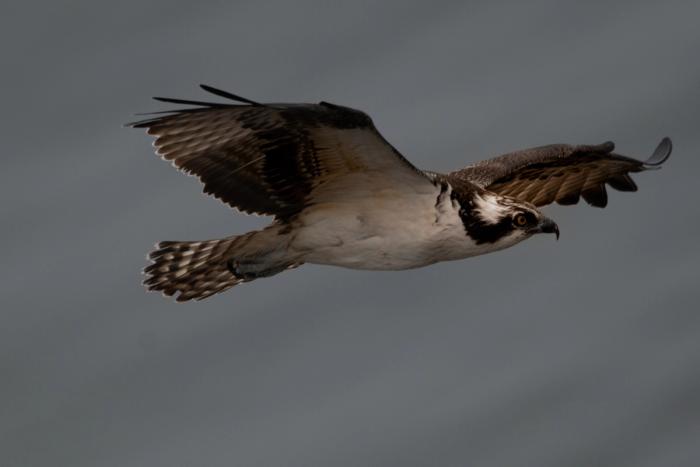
[568,199]
[661,153]
[150,121]
[622,182]
[142,123]
[596,196]
[228,95]
[607,146]
[206,105]
[171,100]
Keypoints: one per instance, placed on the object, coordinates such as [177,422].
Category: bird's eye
[520,220]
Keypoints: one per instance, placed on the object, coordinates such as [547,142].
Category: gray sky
[581,352]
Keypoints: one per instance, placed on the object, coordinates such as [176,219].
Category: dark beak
[548,226]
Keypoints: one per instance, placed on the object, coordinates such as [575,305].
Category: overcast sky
[580,352]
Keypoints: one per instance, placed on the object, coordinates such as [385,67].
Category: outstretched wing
[276,159]
[562,173]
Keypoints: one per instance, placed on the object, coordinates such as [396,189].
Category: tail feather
[197,270]
[193,270]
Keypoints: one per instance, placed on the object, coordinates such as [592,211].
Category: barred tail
[197,270]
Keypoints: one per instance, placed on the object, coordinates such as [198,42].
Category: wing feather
[562,173]
[275,159]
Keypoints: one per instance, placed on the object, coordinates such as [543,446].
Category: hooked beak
[548,226]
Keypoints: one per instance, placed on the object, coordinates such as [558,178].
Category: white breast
[387,231]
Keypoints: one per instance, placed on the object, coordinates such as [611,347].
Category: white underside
[387,230]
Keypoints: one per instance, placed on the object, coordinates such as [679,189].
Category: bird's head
[503,221]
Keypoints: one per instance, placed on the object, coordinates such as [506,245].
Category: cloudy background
[582,352]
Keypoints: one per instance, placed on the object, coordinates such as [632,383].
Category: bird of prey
[341,195]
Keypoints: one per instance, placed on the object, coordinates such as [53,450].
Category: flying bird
[341,195]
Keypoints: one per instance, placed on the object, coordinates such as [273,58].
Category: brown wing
[562,173]
[275,159]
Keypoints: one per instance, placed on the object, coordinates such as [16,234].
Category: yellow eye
[520,220]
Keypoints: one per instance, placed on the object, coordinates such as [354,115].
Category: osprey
[341,195]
